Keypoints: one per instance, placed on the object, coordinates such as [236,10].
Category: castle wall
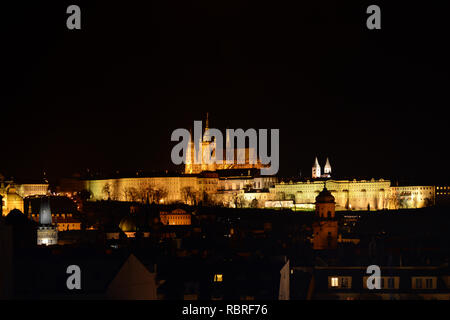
[162,189]
[354,195]
[411,197]
[349,194]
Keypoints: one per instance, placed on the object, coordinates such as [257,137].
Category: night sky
[108,96]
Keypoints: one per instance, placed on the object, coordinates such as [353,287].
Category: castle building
[349,194]
[221,187]
[325,226]
[241,185]
[177,217]
[208,147]
[47,233]
[11,200]
[13,193]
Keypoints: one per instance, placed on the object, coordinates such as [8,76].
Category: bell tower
[325,226]
[47,233]
[316,169]
[327,169]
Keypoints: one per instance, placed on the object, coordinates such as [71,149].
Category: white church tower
[327,169]
[316,170]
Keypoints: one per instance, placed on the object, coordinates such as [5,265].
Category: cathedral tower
[327,169]
[325,226]
[316,169]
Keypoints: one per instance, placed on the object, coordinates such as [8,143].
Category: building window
[218,277]
[344,283]
[340,282]
[334,282]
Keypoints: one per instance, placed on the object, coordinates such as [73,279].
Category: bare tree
[107,190]
[133,194]
[189,195]
[155,194]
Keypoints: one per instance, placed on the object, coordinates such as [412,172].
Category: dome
[127,224]
[14,214]
[325,196]
[16,217]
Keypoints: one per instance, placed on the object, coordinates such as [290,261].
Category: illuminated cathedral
[208,147]
[316,170]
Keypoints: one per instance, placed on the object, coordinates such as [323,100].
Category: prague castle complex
[242,185]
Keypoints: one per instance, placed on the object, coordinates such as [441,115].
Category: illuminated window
[218,278]
[334,282]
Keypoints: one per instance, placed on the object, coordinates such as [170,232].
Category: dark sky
[108,96]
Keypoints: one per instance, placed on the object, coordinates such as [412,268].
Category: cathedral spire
[327,169]
[207,121]
[316,163]
[316,169]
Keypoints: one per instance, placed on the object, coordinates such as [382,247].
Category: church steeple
[316,169]
[327,169]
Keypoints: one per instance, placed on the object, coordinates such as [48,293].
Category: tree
[107,191]
[189,195]
[156,194]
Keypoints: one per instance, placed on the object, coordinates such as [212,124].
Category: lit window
[218,278]
[334,282]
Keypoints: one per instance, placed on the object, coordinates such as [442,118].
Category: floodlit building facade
[349,195]
[13,193]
